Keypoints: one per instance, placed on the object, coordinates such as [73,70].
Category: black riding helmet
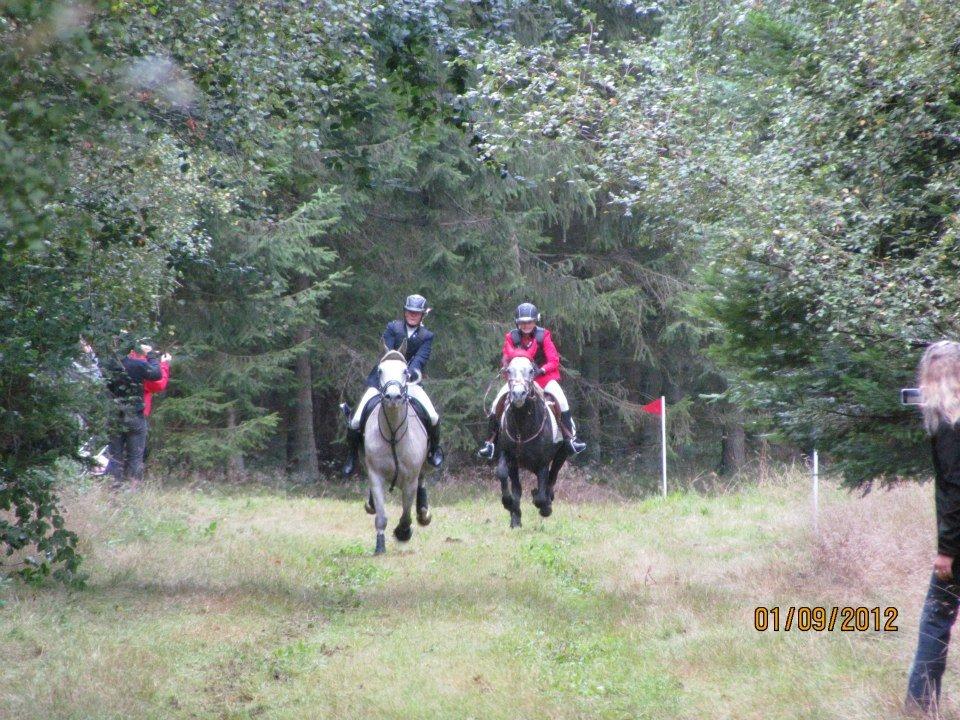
[526,312]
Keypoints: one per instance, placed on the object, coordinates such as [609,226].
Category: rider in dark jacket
[419,342]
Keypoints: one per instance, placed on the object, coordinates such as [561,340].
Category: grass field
[258,603]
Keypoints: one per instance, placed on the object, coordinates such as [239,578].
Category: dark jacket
[125,379]
[946,465]
[418,347]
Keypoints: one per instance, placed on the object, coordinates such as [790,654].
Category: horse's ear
[386,348]
[403,347]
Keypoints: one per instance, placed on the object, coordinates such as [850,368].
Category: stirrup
[345,409]
[435,458]
[486,451]
[576,445]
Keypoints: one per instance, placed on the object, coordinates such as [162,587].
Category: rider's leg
[553,387]
[493,426]
[434,453]
[355,433]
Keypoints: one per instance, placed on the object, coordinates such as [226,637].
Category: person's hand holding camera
[943,567]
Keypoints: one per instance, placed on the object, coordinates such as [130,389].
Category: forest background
[747,207]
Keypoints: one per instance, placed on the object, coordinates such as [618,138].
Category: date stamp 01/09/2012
[820,618]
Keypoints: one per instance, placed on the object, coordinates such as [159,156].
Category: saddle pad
[557,435]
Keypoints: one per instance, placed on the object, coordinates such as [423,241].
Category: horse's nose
[392,393]
[517,395]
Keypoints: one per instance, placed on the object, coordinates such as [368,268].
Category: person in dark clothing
[419,342]
[125,381]
[939,381]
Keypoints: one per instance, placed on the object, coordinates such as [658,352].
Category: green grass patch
[269,604]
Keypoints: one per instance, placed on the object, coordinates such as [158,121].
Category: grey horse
[395,448]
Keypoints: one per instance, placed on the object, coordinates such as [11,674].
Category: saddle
[552,406]
[375,400]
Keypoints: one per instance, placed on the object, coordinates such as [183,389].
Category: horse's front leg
[517,492]
[505,472]
[563,452]
[404,529]
[423,508]
[541,498]
[380,509]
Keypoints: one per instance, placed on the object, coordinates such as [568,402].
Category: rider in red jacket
[535,343]
[538,347]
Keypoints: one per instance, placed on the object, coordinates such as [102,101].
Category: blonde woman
[938,376]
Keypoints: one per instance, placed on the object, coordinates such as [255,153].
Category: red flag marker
[654,408]
[659,408]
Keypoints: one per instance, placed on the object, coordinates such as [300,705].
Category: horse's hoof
[381,545]
[424,517]
[546,510]
[403,533]
[507,501]
[514,522]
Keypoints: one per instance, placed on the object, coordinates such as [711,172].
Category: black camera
[911,396]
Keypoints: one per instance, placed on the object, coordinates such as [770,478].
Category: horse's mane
[393,355]
[520,357]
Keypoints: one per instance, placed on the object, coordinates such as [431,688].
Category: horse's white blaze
[520,374]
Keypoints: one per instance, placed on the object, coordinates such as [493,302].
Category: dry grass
[248,603]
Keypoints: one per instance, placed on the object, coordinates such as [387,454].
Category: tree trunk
[235,465]
[305,463]
[733,451]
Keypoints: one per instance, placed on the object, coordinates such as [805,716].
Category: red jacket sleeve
[153,386]
[508,351]
[550,350]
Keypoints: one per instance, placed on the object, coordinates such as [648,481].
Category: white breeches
[414,391]
[553,387]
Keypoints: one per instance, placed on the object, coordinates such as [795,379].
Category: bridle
[506,425]
[404,425]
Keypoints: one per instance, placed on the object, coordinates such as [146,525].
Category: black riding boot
[434,453]
[575,445]
[353,452]
[493,426]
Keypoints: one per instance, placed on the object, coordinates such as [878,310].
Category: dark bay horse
[529,438]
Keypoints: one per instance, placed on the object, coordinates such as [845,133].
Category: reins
[506,425]
[404,425]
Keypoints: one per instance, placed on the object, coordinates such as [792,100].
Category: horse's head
[394,377]
[520,373]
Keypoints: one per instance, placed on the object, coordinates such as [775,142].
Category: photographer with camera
[939,378]
[129,380]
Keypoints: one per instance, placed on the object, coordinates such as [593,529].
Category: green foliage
[831,227]
[743,207]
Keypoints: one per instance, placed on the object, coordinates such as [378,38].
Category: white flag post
[663,442]
[816,490]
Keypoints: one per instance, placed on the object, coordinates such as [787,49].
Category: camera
[911,396]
